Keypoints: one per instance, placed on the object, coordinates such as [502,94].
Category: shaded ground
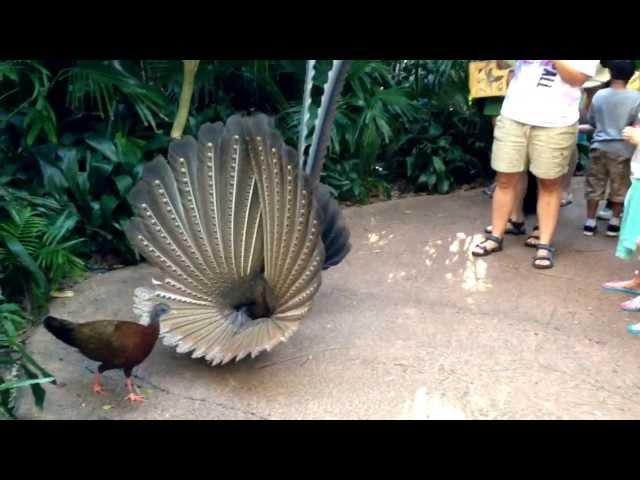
[407,327]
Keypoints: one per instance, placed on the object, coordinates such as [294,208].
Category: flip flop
[611,287]
[634,329]
[632,305]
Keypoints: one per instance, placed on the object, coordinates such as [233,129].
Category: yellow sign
[487,80]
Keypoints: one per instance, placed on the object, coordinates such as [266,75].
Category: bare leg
[592,208]
[549,197]
[616,207]
[517,213]
[502,204]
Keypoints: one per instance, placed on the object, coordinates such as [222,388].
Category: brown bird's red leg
[97,388]
[133,396]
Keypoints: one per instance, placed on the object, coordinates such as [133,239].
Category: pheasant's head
[158,311]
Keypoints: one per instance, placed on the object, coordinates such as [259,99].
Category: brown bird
[116,344]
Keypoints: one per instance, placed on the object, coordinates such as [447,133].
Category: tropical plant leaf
[17,249]
[102,83]
[104,146]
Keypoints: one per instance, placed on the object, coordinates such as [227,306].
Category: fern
[55,256]
[36,256]
[26,227]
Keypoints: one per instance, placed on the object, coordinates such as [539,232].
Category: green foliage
[17,368]
[36,253]
[93,176]
[102,84]
[347,182]
[399,121]
[78,132]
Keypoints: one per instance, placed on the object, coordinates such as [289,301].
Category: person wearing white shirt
[536,130]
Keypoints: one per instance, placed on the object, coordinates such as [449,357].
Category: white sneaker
[605,214]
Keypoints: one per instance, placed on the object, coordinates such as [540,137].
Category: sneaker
[613,230]
[634,329]
[605,214]
[589,230]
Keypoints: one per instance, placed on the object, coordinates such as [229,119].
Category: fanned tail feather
[230,221]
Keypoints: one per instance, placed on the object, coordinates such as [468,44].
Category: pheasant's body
[115,344]
[241,230]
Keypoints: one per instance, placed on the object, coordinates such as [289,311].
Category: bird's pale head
[158,311]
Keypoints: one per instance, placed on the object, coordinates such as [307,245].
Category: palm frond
[102,83]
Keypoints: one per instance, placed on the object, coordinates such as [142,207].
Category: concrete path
[408,327]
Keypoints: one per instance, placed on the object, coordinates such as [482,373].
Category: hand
[632,134]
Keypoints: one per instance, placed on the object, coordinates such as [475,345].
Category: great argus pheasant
[241,228]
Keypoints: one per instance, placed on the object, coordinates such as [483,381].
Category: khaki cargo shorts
[606,167]
[546,151]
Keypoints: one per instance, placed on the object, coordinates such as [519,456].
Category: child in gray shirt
[612,110]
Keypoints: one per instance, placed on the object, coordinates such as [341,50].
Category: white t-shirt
[538,96]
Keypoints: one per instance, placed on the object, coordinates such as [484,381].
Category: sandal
[513,228]
[486,251]
[533,239]
[548,258]
[619,287]
[632,305]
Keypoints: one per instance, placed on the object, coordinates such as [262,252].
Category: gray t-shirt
[611,111]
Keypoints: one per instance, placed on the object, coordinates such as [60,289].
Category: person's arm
[585,128]
[632,134]
[570,75]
